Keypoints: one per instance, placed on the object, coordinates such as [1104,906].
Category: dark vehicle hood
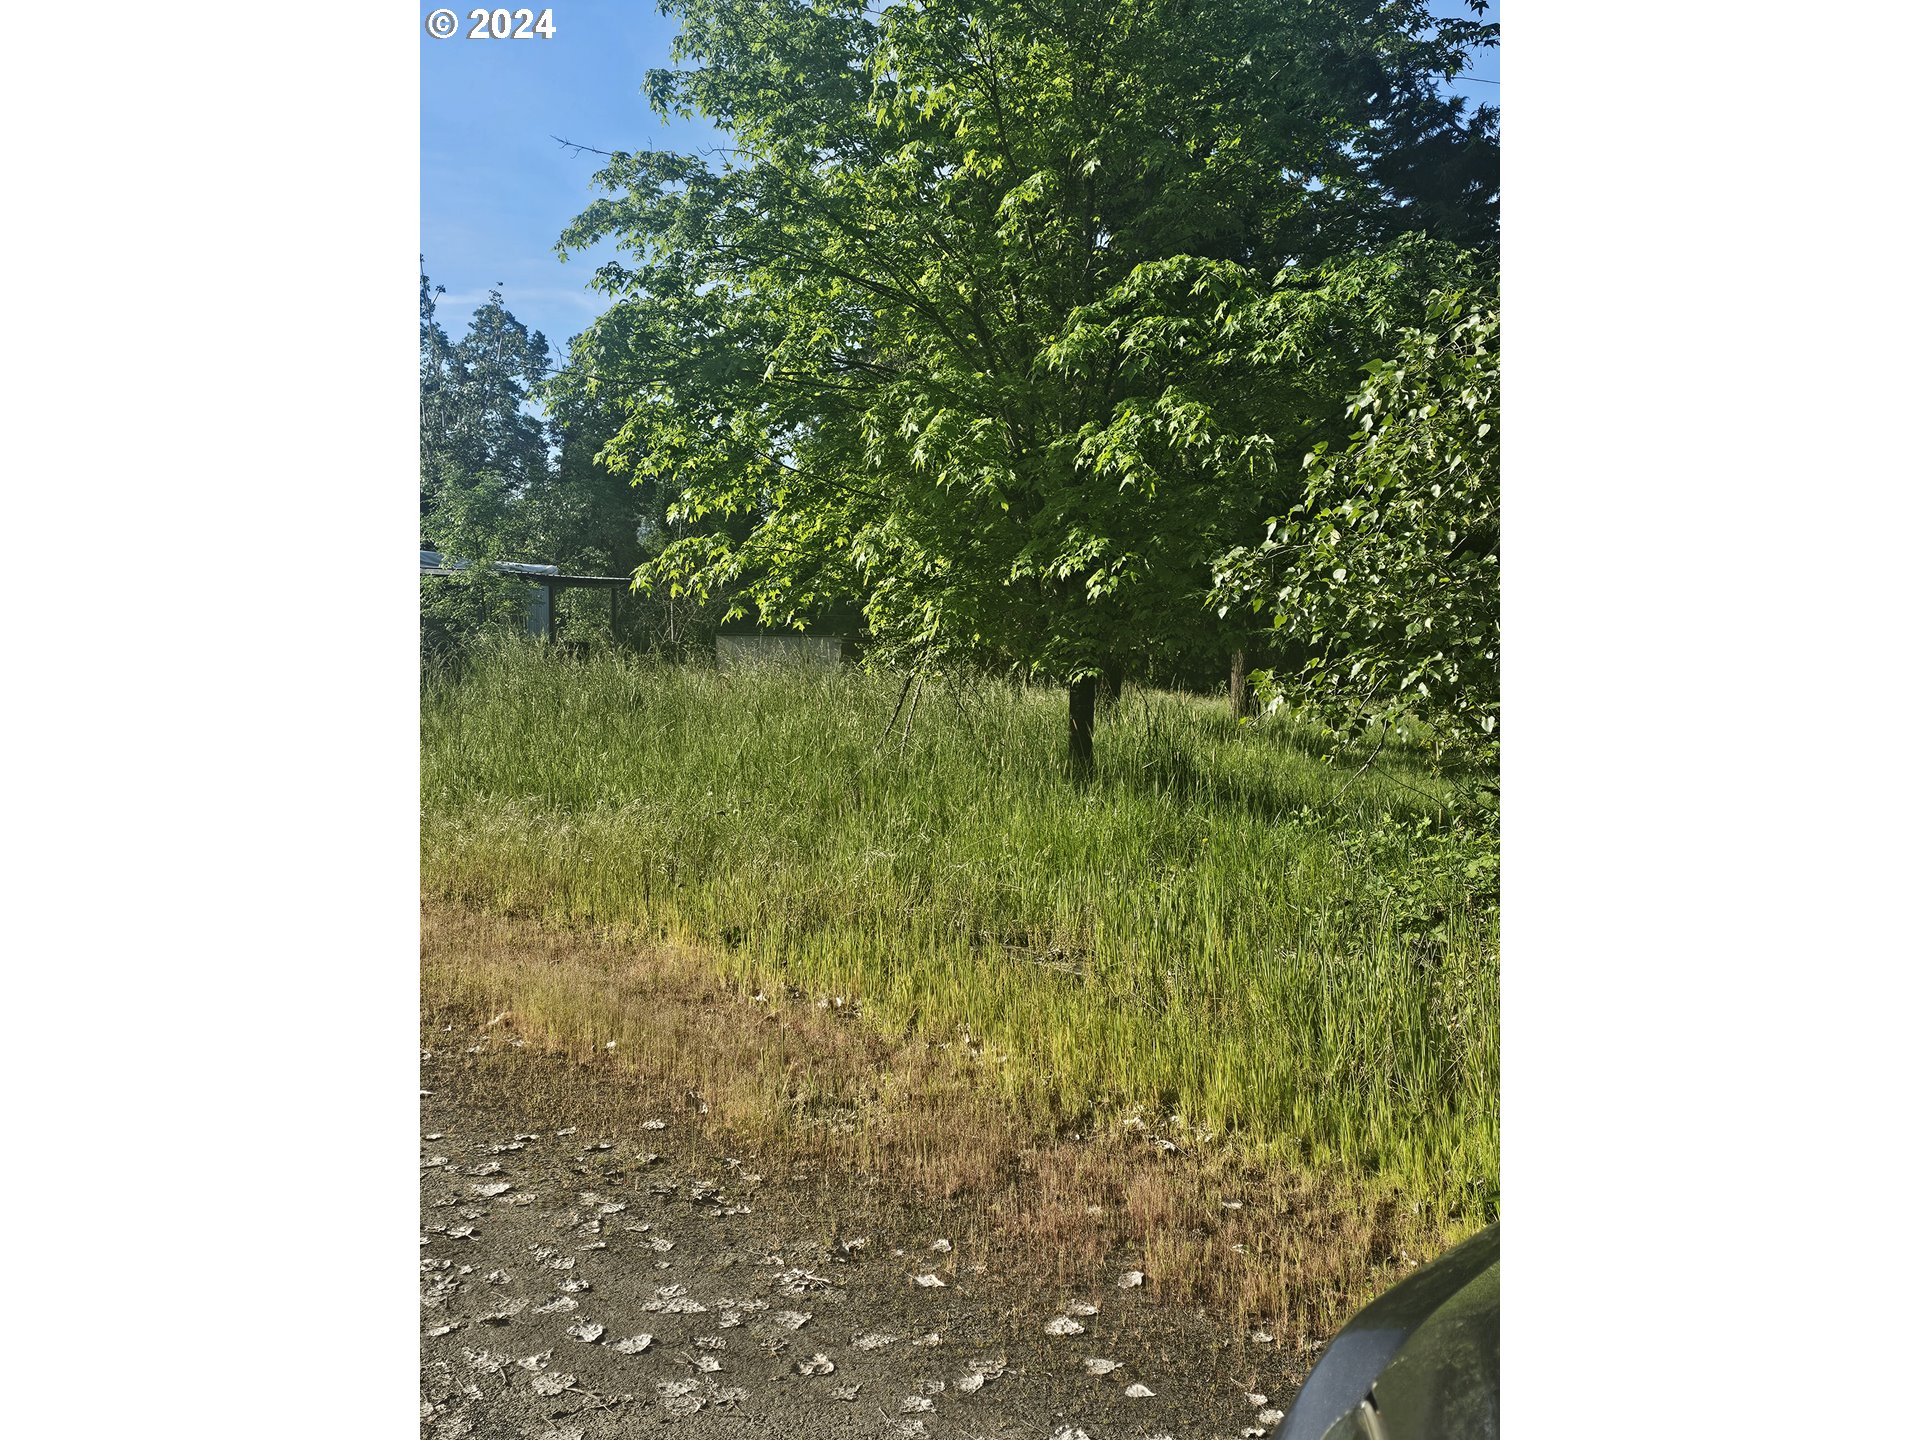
[1422,1362]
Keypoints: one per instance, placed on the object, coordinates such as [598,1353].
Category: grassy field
[1222,937]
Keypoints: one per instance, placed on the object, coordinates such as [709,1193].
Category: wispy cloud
[582,300]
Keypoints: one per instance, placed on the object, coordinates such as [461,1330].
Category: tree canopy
[1004,320]
[1387,572]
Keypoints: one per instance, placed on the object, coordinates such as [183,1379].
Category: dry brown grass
[815,1092]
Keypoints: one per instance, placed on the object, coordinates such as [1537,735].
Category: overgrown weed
[608,1031]
[1296,958]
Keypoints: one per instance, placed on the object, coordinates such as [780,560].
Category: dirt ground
[580,1283]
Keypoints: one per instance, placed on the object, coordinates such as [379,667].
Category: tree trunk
[1237,699]
[1080,695]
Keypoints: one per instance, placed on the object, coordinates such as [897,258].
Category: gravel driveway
[578,1285]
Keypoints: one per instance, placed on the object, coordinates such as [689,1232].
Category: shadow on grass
[1188,756]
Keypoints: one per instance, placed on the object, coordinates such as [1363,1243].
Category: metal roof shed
[548,577]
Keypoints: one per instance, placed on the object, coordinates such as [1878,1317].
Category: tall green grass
[1220,924]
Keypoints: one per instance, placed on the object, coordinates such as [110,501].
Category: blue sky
[496,191]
